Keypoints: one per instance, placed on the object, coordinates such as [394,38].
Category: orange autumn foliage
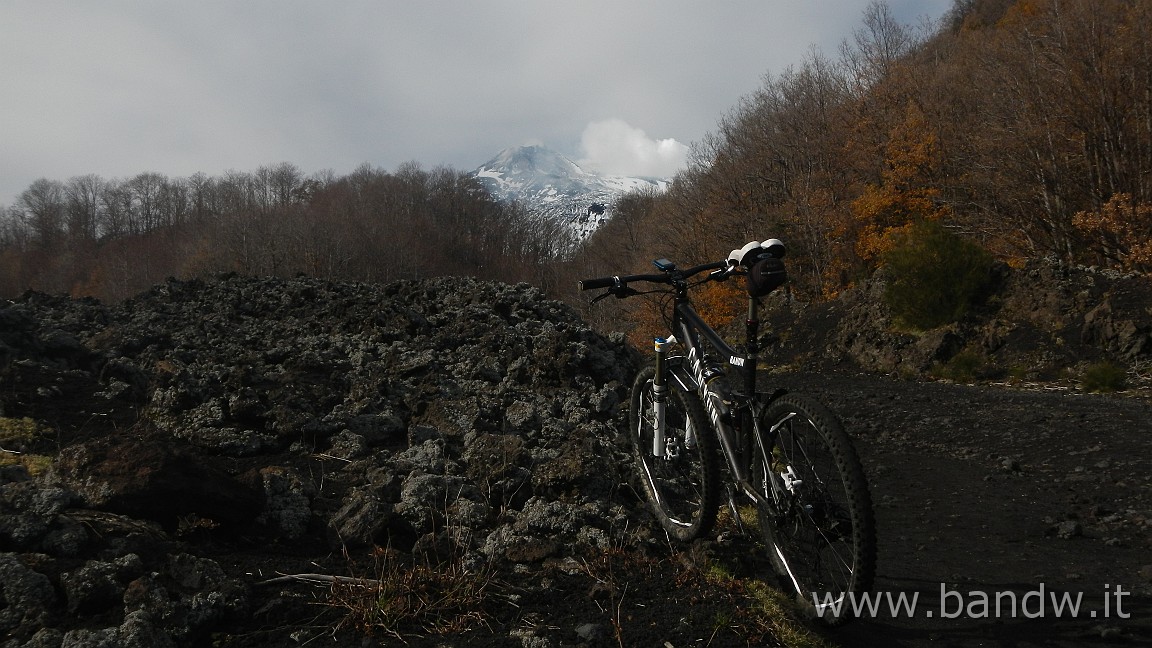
[1122,232]
[719,303]
[906,192]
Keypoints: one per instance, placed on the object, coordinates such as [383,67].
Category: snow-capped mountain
[554,187]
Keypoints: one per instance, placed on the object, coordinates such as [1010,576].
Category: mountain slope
[554,187]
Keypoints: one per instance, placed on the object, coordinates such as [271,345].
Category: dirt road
[1010,516]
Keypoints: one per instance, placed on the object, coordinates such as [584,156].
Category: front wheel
[682,486]
[819,526]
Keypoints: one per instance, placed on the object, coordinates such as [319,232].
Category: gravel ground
[209,438]
[1009,490]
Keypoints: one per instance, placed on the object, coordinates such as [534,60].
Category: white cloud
[215,85]
[613,146]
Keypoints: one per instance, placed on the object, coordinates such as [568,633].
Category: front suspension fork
[660,398]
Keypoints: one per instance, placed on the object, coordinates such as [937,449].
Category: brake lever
[620,293]
[723,273]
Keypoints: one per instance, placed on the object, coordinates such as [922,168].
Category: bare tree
[116,206]
[200,188]
[13,230]
[84,206]
[43,208]
[286,180]
[145,214]
[877,46]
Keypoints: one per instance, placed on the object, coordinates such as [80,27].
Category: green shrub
[1017,373]
[935,276]
[1104,377]
[966,366]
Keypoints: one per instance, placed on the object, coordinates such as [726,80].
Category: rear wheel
[682,486]
[820,529]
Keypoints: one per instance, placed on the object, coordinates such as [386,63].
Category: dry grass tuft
[415,599]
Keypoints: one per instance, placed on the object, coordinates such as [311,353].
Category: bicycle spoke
[682,486]
[820,533]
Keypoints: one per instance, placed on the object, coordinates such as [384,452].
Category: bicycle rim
[682,490]
[820,533]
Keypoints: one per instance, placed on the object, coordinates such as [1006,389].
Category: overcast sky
[120,87]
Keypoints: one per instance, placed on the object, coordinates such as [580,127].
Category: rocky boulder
[1045,321]
[447,418]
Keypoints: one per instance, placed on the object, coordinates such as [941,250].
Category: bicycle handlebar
[665,277]
[753,257]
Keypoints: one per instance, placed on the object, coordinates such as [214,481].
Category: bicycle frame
[693,372]
[787,454]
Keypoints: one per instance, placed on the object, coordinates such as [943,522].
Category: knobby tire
[821,536]
[683,493]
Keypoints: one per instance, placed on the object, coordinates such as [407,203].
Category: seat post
[752,345]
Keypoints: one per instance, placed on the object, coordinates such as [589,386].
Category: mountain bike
[787,454]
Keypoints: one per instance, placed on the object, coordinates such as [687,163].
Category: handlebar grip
[602,282]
